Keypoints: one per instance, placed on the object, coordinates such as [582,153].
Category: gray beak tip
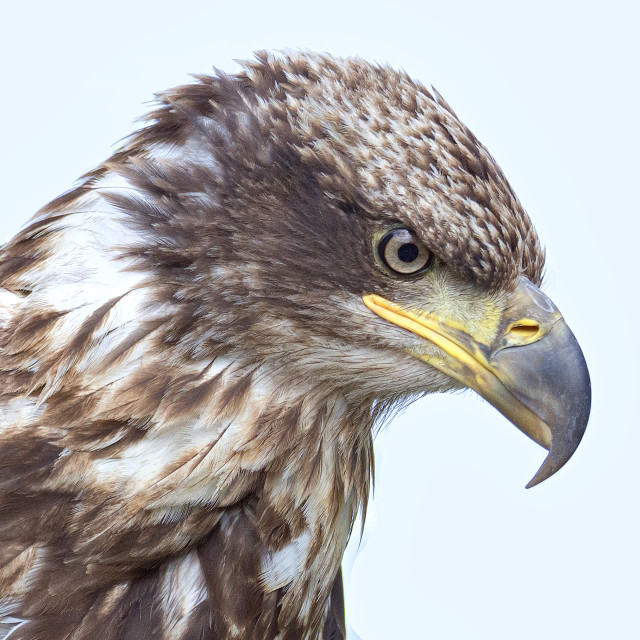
[546,470]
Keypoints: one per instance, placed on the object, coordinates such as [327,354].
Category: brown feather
[189,380]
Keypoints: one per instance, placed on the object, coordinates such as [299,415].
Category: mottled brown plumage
[188,377]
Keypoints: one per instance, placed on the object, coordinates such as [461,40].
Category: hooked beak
[533,371]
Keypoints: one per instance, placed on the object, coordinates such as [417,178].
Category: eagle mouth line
[470,367]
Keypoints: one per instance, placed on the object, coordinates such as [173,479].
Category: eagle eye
[403,252]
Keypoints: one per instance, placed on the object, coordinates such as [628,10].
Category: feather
[189,380]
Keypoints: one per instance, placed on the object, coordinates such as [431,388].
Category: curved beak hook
[533,371]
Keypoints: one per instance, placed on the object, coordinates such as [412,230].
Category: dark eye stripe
[403,253]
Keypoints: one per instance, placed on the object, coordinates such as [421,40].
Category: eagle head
[337,220]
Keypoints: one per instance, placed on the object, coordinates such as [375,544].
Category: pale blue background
[460,549]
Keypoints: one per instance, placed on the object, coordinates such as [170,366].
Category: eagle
[199,340]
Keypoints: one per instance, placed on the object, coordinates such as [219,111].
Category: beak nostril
[523,331]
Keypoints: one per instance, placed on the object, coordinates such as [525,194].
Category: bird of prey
[197,341]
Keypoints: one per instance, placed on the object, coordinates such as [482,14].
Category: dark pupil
[408,252]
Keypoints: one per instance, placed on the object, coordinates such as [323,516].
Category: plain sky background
[458,549]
